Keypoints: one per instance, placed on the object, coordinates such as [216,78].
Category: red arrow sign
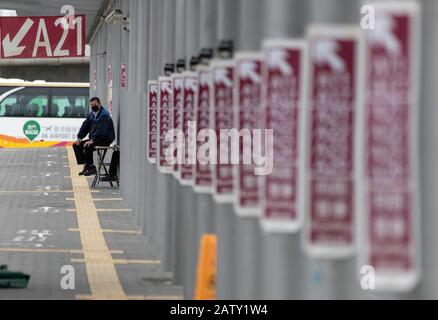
[42,37]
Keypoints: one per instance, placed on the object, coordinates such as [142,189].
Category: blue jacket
[100,128]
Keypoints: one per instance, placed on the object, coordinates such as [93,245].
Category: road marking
[116,261]
[40,191]
[33,164]
[105,210]
[69,251]
[135,297]
[102,275]
[110,231]
[98,199]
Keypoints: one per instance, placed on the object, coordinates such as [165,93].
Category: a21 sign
[42,37]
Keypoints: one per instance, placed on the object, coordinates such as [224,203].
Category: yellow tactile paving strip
[101,272]
[119,261]
[105,210]
[35,250]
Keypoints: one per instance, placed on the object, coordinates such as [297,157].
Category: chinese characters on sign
[152,118]
[329,185]
[165,115]
[221,115]
[203,179]
[282,101]
[389,196]
[188,114]
[248,85]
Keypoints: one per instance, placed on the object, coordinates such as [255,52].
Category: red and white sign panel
[110,91]
[329,179]
[165,115]
[123,76]
[221,115]
[95,79]
[178,99]
[152,109]
[203,174]
[389,193]
[42,37]
[247,101]
[187,173]
[283,113]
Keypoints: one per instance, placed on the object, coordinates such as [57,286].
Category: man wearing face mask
[99,127]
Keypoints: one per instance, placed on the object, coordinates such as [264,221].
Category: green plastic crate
[12,279]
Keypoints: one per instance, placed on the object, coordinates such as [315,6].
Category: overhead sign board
[42,37]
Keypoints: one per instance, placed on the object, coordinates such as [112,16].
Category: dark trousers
[115,160]
[84,155]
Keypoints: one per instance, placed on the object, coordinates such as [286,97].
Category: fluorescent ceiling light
[8,13]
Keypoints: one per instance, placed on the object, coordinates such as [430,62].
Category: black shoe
[83,171]
[90,171]
[109,178]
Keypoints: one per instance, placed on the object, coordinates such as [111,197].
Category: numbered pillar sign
[123,76]
[178,100]
[203,175]
[164,122]
[95,80]
[221,115]
[247,117]
[283,113]
[388,192]
[152,120]
[186,172]
[110,91]
[331,106]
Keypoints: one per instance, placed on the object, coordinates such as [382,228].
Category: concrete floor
[39,228]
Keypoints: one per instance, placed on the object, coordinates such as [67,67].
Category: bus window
[7,106]
[32,102]
[33,106]
[69,102]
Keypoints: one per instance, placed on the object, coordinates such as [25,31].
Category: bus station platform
[52,226]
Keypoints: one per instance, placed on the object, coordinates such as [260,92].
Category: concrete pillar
[249,235]
[166,43]
[187,194]
[428,150]
[151,169]
[323,278]
[207,39]
[179,253]
[282,252]
[225,218]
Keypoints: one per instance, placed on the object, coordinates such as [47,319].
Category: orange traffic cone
[206,275]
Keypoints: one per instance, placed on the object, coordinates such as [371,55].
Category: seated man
[100,128]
